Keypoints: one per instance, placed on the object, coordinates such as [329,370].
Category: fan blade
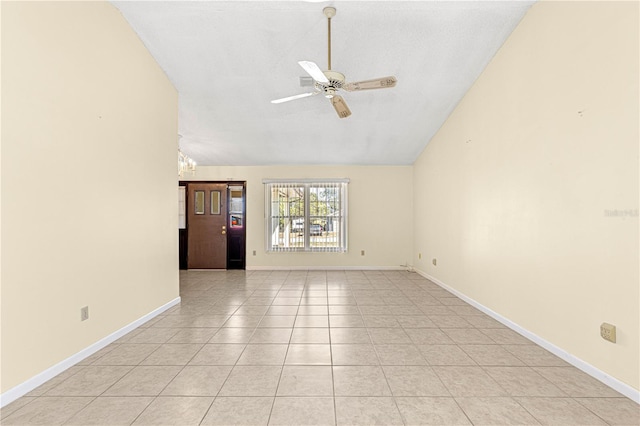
[291,98]
[377,83]
[314,71]
[341,106]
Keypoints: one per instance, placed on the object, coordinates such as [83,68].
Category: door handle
[224,230]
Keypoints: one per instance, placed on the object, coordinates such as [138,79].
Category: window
[306,215]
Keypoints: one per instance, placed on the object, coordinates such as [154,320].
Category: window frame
[341,184]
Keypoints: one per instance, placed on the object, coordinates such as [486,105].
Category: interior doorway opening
[212,226]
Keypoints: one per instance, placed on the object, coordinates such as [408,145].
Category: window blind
[306,215]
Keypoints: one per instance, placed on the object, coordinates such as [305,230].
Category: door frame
[183,234]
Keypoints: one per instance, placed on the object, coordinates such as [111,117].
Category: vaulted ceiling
[229,59]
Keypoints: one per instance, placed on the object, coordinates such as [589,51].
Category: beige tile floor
[338,347]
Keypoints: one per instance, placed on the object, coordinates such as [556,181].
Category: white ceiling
[229,59]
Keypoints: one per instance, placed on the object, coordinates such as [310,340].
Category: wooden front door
[207,226]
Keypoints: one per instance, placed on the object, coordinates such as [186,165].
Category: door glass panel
[236,220]
[215,202]
[199,202]
[182,208]
[235,202]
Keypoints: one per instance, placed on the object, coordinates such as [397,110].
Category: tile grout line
[386,380]
[228,374]
[230,371]
[275,394]
[333,383]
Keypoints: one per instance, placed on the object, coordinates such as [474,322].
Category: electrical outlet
[84,313]
[434,261]
[419,255]
[254,252]
[361,252]
[608,332]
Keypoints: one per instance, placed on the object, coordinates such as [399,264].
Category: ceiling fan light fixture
[329,92]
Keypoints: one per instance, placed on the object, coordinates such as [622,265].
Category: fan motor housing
[336,81]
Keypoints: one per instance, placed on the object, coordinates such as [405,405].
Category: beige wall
[89,198]
[513,194]
[380,214]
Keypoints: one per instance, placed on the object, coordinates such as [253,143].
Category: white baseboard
[26,387]
[326,268]
[612,382]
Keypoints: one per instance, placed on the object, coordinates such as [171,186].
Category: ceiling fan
[329,82]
